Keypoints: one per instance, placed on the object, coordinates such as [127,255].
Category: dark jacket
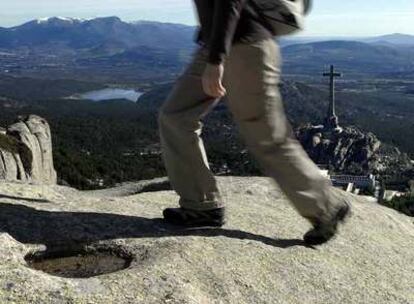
[224,22]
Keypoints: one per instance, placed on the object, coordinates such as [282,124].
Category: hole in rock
[81,263]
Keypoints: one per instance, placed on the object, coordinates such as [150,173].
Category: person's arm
[226,17]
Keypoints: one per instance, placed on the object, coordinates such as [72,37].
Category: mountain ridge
[357,57]
[95,41]
[78,33]
[393,39]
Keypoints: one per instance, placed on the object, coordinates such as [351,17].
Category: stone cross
[331,118]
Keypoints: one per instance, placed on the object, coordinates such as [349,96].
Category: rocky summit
[352,151]
[26,151]
[60,245]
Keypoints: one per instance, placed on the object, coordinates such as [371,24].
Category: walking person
[238,57]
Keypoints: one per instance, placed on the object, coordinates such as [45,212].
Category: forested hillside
[102,143]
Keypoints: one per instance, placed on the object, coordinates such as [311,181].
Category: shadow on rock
[31,226]
[27,199]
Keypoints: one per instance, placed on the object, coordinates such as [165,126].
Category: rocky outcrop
[26,152]
[257,257]
[352,151]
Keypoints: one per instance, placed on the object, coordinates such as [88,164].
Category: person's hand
[212,80]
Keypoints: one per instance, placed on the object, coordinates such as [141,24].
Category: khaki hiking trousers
[251,77]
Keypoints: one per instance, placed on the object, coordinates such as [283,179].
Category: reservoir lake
[108,94]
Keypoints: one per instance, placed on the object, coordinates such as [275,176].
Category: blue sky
[328,18]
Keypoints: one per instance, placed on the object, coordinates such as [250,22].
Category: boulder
[26,151]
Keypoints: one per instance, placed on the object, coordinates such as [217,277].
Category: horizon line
[299,35]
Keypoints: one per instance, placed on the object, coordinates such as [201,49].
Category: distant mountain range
[101,49]
[376,56]
[393,39]
[349,56]
[112,33]
[99,32]
[110,49]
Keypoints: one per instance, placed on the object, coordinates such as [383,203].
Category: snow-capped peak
[59,19]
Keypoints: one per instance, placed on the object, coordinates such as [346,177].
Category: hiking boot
[323,232]
[194,218]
